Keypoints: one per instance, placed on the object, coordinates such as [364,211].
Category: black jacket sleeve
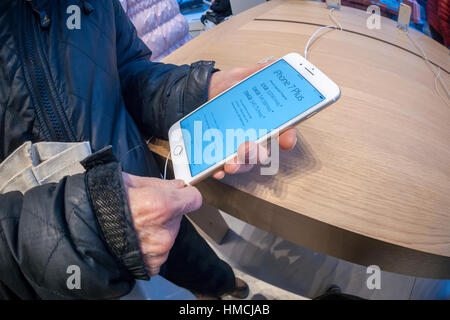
[83,224]
[156,94]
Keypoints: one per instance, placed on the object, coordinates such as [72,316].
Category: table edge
[338,242]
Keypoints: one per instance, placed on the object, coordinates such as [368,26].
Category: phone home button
[177,151]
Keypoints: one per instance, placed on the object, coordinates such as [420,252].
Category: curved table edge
[357,33]
[322,237]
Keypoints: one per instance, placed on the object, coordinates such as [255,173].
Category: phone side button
[311,115]
[177,151]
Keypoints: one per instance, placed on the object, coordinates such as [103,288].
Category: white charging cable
[163,175]
[436,72]
[337,24]
[165,166]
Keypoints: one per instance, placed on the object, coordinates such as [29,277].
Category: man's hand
[248,152]
[157,207]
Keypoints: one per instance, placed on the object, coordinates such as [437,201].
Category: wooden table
[369,180]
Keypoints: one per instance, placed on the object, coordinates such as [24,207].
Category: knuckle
[161,245]
[154,262]
[159,250]
[166,243]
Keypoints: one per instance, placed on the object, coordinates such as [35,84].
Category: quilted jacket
[159,23]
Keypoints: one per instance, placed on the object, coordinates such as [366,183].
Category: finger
[219,175]
[231,166]
[243,168]
[186,200]
[236,168]
[252,153]
[263,153]
[288,139]
[249,154]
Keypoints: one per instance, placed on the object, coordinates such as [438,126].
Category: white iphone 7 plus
[278,96]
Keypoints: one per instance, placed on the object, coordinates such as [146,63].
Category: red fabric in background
[438,16]
[444,20]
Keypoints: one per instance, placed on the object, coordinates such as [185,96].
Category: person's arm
[156,94]
[83,223]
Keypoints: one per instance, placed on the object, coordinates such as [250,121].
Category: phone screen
[248,111]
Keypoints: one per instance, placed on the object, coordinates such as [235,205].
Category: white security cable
[330,14]
[438,76]
[436,72]
[337,24]
[165,166]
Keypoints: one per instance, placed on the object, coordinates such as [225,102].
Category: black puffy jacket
[92,84]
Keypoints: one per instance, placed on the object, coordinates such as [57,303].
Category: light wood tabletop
[369,179]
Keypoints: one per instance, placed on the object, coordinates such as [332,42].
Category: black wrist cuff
[198,81]
[108,199]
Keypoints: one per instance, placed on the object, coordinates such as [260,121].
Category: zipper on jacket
[54,124]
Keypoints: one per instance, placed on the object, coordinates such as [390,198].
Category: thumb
[186,200]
